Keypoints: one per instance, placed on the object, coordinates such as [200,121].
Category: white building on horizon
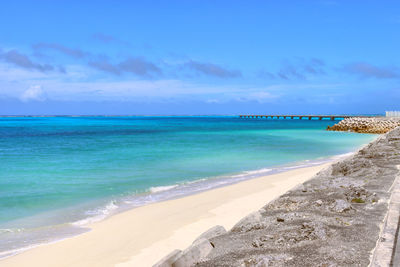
[392,113]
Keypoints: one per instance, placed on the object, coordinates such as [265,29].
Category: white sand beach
[142,236]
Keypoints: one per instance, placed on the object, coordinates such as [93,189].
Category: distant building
[392,113]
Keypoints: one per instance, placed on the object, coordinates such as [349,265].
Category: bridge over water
[301,117]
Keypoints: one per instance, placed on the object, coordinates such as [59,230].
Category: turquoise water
[66,171]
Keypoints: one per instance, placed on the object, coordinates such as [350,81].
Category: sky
[199,57]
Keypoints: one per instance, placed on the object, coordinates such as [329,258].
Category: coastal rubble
[366,125]
[333,219]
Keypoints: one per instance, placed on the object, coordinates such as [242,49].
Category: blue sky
[199,57]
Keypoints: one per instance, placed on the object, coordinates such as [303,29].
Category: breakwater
[334,219]
[366,125]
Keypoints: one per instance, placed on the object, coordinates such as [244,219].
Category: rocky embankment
[366,125]
[334,219]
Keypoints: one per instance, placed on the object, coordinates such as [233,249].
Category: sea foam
[157,189]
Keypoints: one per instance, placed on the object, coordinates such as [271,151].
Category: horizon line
[182,115]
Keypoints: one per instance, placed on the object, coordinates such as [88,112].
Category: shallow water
[61,171]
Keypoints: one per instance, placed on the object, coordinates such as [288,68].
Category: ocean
[57,174]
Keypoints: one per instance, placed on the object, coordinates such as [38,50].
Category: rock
[280,241]
[196,252]
[341,205]
[314,230]
[266,237]
[212,232]
[257,243]
[319,202]
[168,260]
[280,219]
[250,222]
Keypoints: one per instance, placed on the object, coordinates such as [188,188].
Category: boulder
[341,205]
[212,232]
[195,253]
[168,260]
[250,222]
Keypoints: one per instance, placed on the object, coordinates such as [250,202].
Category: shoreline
[158,194]
[206,209]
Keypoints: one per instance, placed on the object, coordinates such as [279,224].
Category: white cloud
[34,93]
[78,86]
